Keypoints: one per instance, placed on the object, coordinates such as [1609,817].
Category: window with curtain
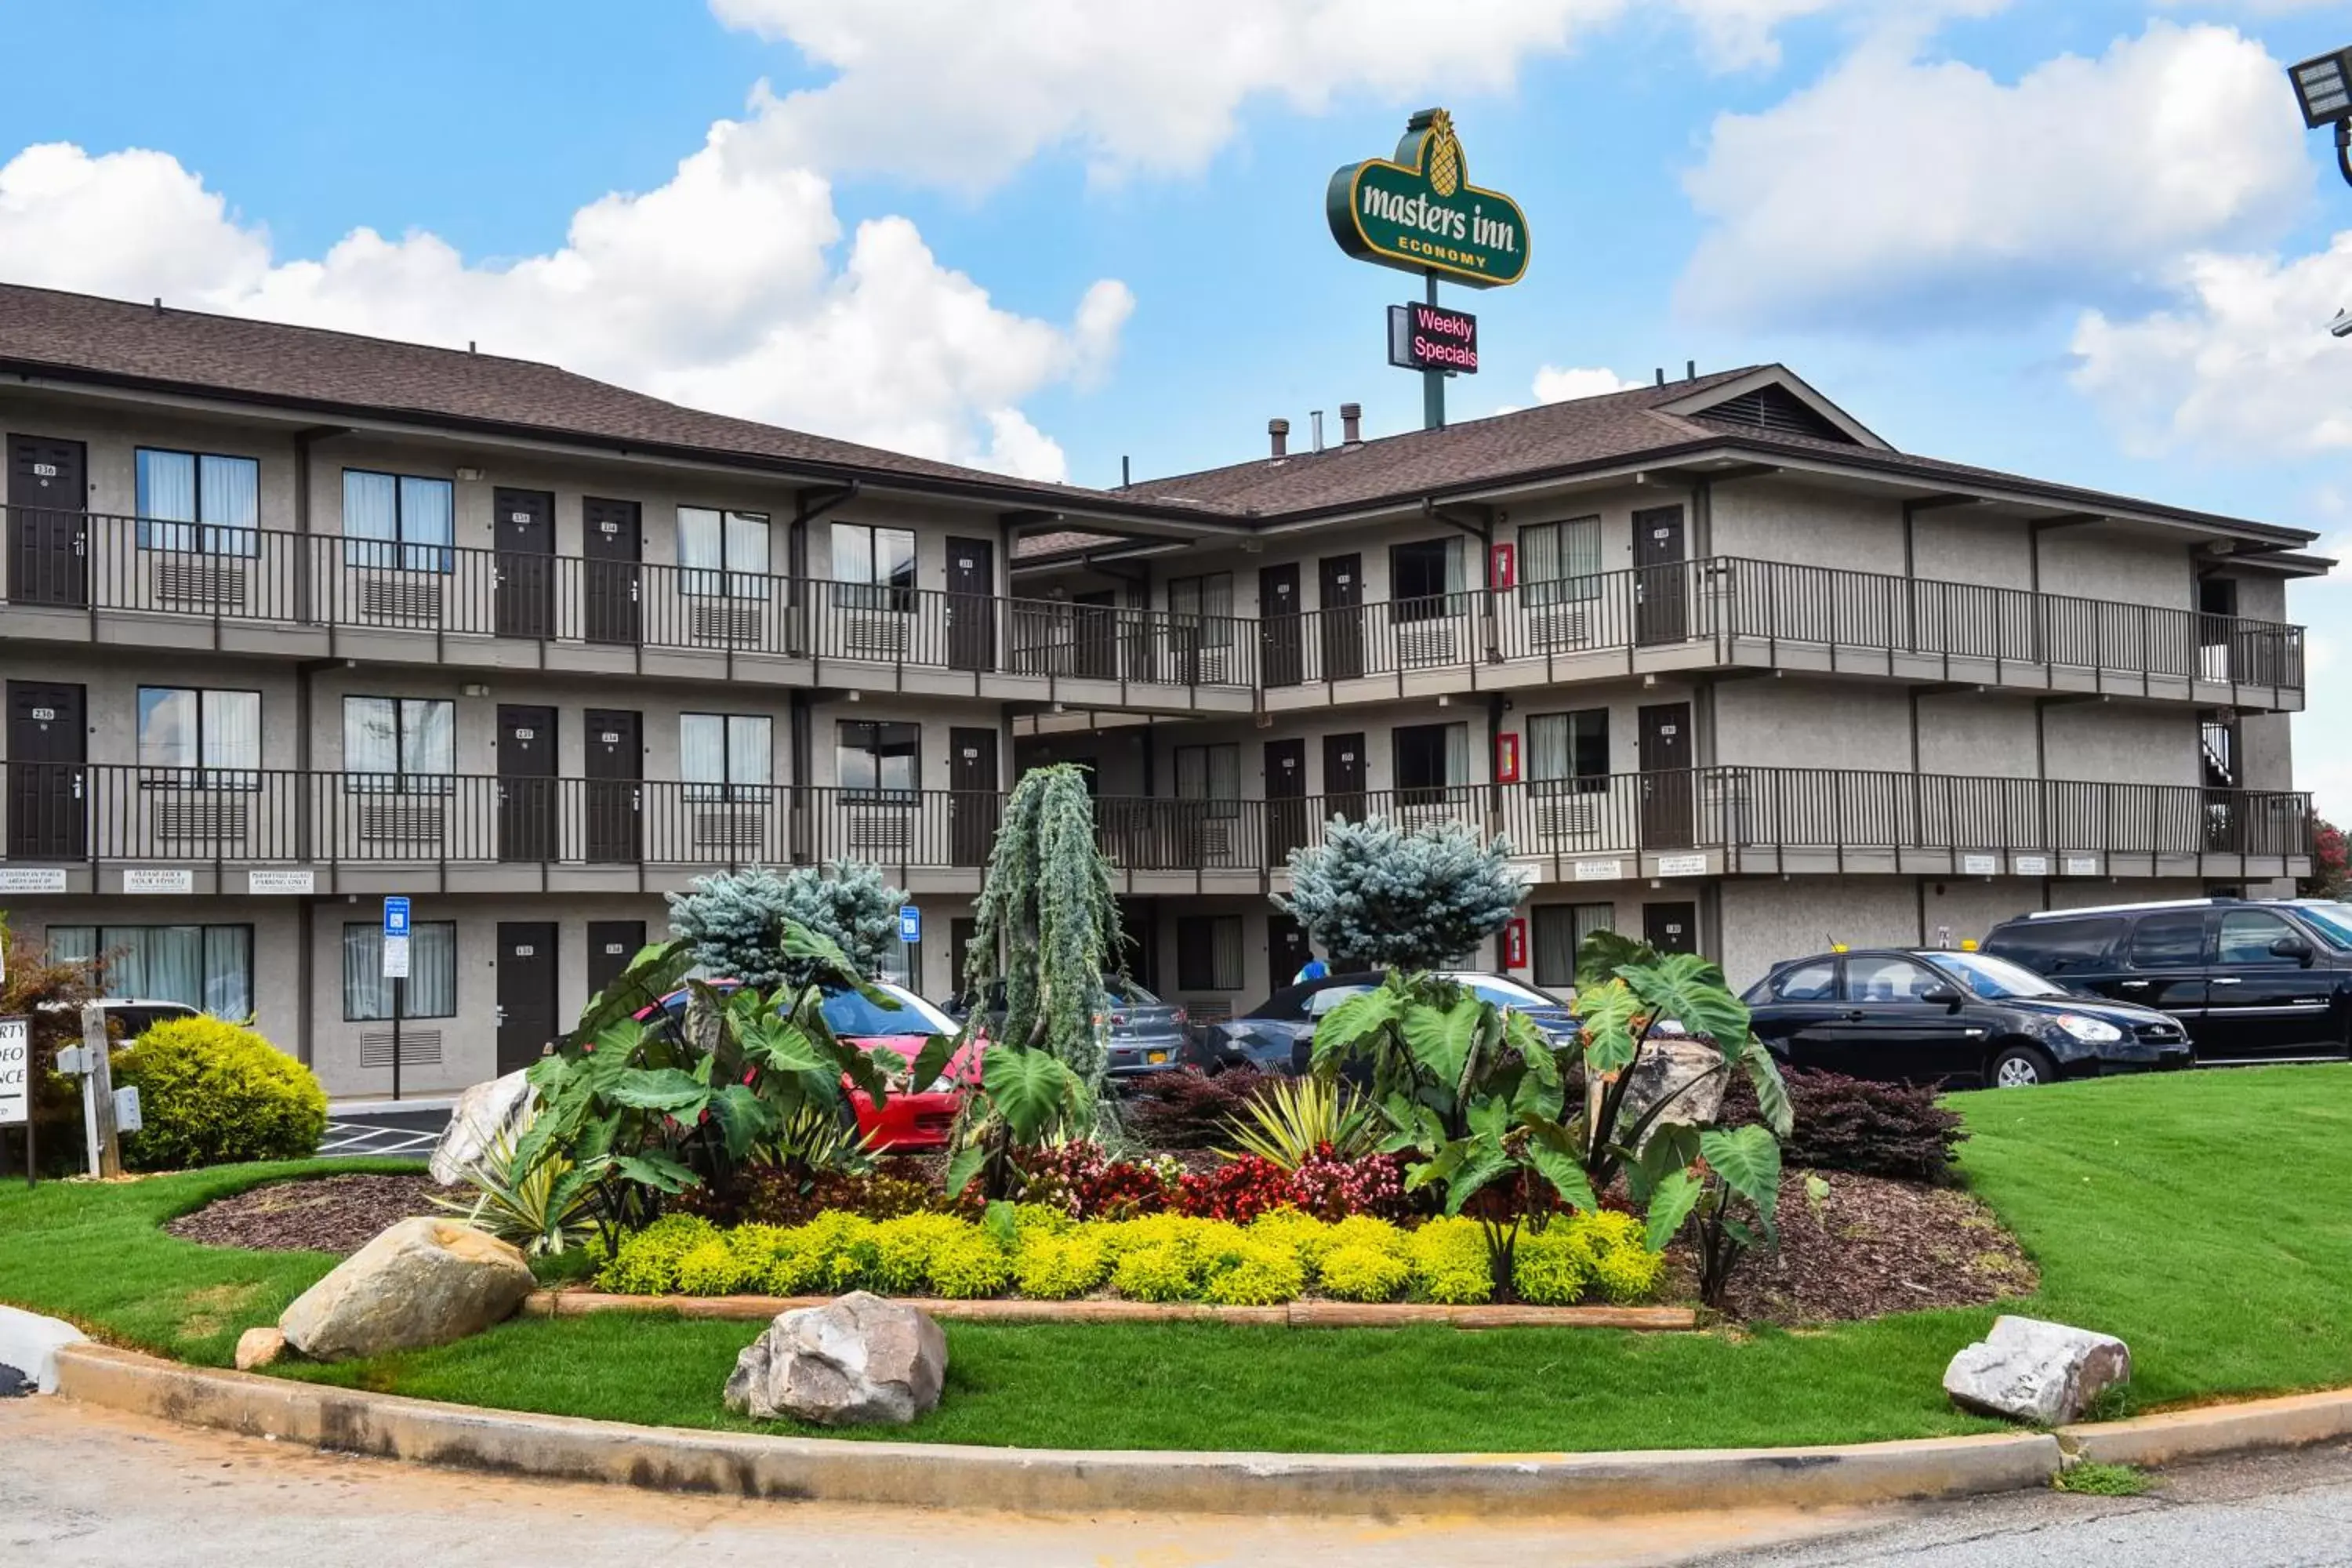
[1211,774]
[1559,931]
[1560,562]
[724,555]
[205,967]
[874,567]
[1430,759]
[432,972]
[725,756]
[198,501]
[399,521]
[400,745]
[1569,751]
[189,736]
[1204,604]
[1209,953]
[880,761]
[1425,578]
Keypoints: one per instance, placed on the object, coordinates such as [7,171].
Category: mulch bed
[327,1213]
[1872,1247]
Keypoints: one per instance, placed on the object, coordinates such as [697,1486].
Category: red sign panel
[1507,566]
[1514,944]
[1507,759]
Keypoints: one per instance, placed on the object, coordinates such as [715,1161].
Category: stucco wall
[1812,525]
[1765,921]
[1803,724]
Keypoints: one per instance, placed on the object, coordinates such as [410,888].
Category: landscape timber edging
[1295,1314]
[960,1476]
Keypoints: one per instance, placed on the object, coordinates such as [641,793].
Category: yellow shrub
[1552,1267]
[969,1263]
[1624,1269]
[757,1247]
[710,1269]
[1252,1273]
[1449,1262]
[902,1250]
[824,1258]
[1358,1272]
[1160,1272]
[648,1263]
[214,1094]
[1053,1268]
[1362,1230]
[1302,1235]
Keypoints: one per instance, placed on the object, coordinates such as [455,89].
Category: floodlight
[2323,87]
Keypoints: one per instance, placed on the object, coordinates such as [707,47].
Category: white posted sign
[16,1070]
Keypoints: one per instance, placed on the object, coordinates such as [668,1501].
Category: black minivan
[2250,980]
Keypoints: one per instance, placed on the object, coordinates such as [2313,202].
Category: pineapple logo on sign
[1419,212]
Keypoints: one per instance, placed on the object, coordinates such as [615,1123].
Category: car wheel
[2022,1067]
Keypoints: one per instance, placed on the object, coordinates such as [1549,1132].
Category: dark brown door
[525,991]
[1280,657]
[972,603]
[523,524]
[611,945]
[1667,792]
[1286,949]
[1343,777]
[616,762]
[526,782]
[962,934]
[975,796]
[1094,634]
[1341,617]
[1661,596]
[47,747]
[1671,928]
[49,528]
[1286,799]
[611,543]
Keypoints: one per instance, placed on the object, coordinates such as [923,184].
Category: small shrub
[1291,1120]
[757,1247]
[1362,1230]
[1252,1271]
[903,1250]
[969,1263]
[709,1269]
[829,1255]
[1085,1183]
[648,1263]
[1358,1272]
[214,1094]
[1299,1233]
[1892,1130]
[1623,1268]
[1552,1267]
[1161,1271]
[1057,1268]
[1450,1263]
[1188,1109]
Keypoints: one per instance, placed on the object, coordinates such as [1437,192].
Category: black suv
[2250,981]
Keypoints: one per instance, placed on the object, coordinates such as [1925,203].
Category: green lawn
[2200,1216]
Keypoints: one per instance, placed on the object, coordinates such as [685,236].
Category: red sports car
[908,1121]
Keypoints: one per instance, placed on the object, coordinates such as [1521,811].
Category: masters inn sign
[1420,212]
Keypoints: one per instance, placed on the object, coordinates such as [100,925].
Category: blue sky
[2106,269]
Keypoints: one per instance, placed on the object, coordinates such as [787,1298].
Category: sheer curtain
[371,518]
[750,749]
[428,523]
[432,972]
[1457,755]
[428,739]
[1547,749]
[167,499]
[702,754]
[230,504]
[229,972]
[231,738]
[747,555]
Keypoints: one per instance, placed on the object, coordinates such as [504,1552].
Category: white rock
[2028,1370]
[420,1282]
[30,1342]
[260,1348]
[482,1113]
[859,1361]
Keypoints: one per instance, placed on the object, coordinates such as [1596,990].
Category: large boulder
[420,1282]
[860,1360]
[483,1114]
[2028,1370]
[1673,1065]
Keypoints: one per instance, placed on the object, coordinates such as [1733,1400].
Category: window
[1888,980]
[1560,562]
[1815,981]
[211,739]
[1321,1002]
[2170,941]
[1209,953]
[1429,759]
[2245,937]
[398,522]
[2058,947]
[210,967]
[1569,751]
[1204,605]
[196,501]
[1560,933]
[875,567]
[725,756]
[877,760]
[403,745]
[722,554]
[431,990]
[1211,774]
[1421,575]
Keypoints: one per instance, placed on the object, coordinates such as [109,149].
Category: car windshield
[1510,993]
[2332,921]
[1992,978]
[847,1014]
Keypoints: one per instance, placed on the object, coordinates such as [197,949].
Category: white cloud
[962,94]
[2240,366]
[1901,190]
[1555,384]
[718,290]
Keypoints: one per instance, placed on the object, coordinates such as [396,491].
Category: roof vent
[159,304]
[1352,424]
[1278,430]
[1773,410]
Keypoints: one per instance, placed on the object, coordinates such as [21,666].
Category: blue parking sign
[910,924]
[396,915]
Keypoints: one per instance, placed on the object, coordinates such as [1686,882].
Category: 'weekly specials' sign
[1420,212]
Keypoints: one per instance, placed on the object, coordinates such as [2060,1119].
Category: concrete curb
[1294,1315]
[2174,1434]
[1050,1481]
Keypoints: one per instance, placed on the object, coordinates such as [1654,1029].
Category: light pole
[2323,87]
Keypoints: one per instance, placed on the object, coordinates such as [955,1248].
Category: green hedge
[1159,1257]
[215,1093]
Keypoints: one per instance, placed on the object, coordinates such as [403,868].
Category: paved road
[79,1487]
[384,1129]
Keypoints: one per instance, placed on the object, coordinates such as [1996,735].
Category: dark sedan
[1278,1034]
[1945,1017]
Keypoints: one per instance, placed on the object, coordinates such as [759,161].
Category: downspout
[800,730]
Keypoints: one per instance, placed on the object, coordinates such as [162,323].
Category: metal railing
[1747,608]
[63,813]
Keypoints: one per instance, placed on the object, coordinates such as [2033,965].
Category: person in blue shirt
[1313,969]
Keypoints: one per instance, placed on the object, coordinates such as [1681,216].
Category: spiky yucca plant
[1289,1121]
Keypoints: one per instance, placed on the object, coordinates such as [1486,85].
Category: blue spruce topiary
[1375,896]
[736,922]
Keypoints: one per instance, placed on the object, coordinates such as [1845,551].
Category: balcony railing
[1747,611]
[62,813]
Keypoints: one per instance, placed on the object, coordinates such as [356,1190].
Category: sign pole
[394,942]
[98,1093]
[399,1006]
[1432,380]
